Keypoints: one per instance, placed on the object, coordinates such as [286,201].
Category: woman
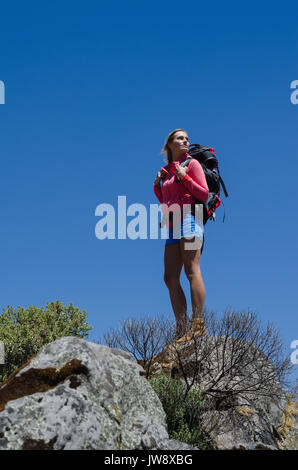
[183,186]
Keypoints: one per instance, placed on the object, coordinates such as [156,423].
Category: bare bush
[144,338]
[237,356]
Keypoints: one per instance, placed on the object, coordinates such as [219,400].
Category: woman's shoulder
[195,168]
[194,163]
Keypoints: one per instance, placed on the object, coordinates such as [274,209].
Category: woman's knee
[171,280]
[192,272]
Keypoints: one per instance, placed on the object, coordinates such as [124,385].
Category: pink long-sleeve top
[191,187]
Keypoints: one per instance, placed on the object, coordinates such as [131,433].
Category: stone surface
[79,395]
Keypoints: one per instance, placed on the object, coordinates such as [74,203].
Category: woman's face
[180,143]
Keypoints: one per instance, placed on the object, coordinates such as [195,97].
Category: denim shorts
[189,228]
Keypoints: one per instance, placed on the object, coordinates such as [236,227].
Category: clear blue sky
[92,90]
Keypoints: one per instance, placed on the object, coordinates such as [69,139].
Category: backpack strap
[223,184]
[186,161]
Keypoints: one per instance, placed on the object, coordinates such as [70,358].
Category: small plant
[182,409]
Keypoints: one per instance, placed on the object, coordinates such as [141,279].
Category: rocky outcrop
[79,395]
[239,413]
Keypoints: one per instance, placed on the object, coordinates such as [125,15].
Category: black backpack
[206,157]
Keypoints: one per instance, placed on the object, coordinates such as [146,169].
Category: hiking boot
[197,328]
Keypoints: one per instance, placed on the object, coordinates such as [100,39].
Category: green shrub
[182,409]
[25,331]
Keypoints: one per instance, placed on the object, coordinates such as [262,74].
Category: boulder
[80,395]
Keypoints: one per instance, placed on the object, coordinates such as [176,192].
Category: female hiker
[183,186]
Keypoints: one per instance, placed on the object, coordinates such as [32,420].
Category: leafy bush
[182,409]
[25,331]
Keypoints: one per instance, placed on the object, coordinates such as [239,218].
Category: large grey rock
[240,428]
[79,395]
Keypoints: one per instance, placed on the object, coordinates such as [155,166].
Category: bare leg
[173,264]
[191,261]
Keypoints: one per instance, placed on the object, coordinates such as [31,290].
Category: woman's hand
[158,178]
[181,171]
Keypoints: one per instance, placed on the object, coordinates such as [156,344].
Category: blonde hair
[166,150]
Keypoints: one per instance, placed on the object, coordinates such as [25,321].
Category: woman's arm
[195,181]
[157,192]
